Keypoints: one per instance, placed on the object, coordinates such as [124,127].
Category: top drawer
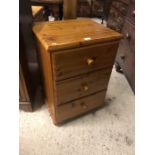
[74,62]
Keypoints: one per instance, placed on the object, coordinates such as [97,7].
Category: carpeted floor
[110,131]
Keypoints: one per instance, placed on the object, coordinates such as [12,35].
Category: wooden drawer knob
[83,105]
[90,61]
[85,87]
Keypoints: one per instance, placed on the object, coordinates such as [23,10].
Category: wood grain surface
[47,74]
[66,34]
[83,85]
[77,58]
[70,9]
[80,106]
[70,63]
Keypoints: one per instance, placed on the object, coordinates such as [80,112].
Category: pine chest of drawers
[76,58]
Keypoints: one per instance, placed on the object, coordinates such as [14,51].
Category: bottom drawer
[80,106]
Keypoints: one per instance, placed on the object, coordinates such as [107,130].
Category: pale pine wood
[80,106]
[48,80]
[83,85]
[73,62]
[64,55]
[66,34]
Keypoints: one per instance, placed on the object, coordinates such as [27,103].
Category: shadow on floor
[39,99]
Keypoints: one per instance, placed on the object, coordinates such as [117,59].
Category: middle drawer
[81,86]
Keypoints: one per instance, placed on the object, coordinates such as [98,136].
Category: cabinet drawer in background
[129,34]
[127,44]
[80,106]
[74,62]
[115,20]
[129,70]
[122,7]
[81,86]
[131,13]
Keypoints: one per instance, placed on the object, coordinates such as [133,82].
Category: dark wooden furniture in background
[25,88]
[29,69]
[117,14]
[84,8]
[54,7]
[77,57]
[100,8]
[125,59]
[122,19]
[69,9]
[24,98]
[93,8]
[25,21]
[38,13]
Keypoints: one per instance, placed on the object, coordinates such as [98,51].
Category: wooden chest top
[68,34]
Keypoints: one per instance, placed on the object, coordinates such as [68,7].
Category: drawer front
[81,86]
[80,106]
[126,53]
[127,45]
[83,60]
[129,34]
[126,59]
[122,52]
[129,69]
